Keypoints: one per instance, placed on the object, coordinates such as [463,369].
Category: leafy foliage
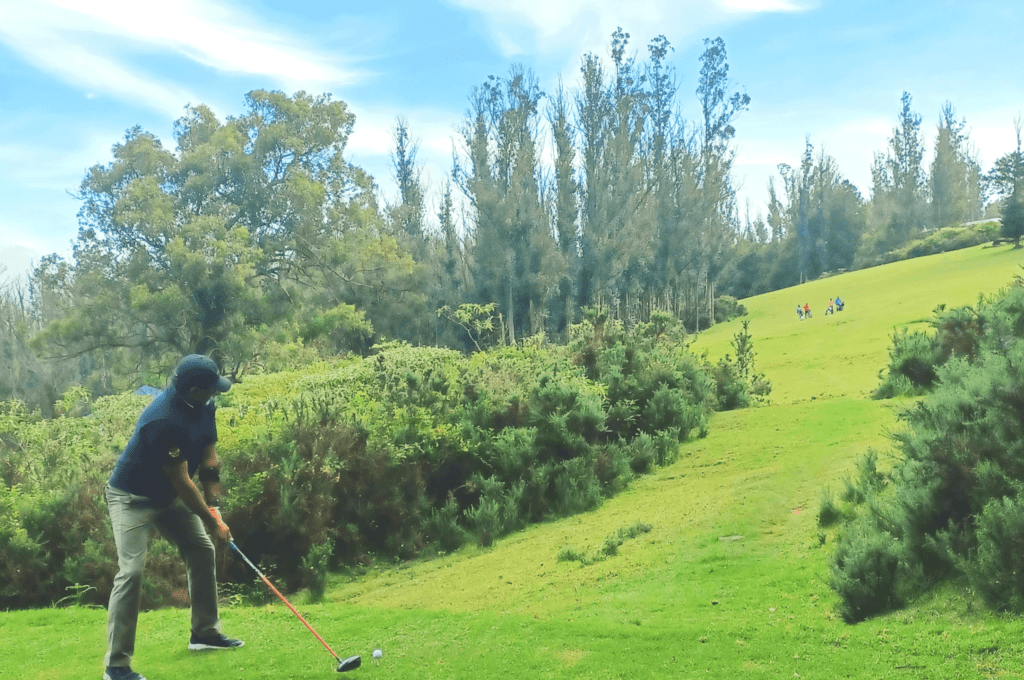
[950,504]
[349,461]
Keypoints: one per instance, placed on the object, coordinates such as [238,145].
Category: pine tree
[898,198]
[955,175]
[566,209]
[410,212]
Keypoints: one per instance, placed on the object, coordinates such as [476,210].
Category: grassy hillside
[731,582]
[840,355]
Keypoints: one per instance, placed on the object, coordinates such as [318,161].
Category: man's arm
[177,471]
[209,476]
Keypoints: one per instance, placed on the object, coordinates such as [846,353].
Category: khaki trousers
[134,523]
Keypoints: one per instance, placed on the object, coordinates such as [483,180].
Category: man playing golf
[151,489]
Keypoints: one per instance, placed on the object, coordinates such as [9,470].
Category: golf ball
[377,654]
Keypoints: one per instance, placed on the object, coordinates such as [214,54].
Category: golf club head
[350,664]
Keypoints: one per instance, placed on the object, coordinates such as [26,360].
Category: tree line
[255,240]
[818,222]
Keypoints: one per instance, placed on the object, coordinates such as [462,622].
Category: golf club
[349,664]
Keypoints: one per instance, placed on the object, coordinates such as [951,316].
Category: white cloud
[16,261]
[54,167]
[92,44]
[579,26]
[757,6]
[372,142]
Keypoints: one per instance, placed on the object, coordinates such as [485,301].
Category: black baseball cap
[199,370]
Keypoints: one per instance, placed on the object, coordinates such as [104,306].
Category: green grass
[731,581]
[840,355]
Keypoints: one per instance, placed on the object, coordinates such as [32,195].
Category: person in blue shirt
[151,489]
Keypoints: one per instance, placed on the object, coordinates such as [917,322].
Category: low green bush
[829,511]
[951,504]
[864,571]
[994,568]
[442,527]
[342,462]
[315,569]
[931,243]
[608,548]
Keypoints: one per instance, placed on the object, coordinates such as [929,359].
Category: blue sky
[74,75]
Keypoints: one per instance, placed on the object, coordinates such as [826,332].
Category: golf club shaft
[283,599]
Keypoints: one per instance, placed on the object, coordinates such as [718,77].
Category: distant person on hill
[800,312]
[151,489]
[839,304]
[807,311]
[831,309]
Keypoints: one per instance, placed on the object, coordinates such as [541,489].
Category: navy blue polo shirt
[169,422]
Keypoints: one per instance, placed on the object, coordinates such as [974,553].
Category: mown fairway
[732,581]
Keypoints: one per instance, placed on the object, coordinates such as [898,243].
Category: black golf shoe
[218,641]
[121,673]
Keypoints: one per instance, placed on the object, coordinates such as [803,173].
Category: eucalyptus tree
[593,116]
[251,228]
[823,215]
[798,187]
[629,230]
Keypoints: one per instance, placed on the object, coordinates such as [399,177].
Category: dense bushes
[938,241]
[914,356]
[422,449]
[410,450]
[54,533]
[951,503]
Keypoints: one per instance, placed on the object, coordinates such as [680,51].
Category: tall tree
[566,207]
[215,245]
[898,195]
[1007,174]
[955,177]
[410,211]
[514,252]
[1007,180]
[629,230]
[593,119]
[719,111]
[823,216]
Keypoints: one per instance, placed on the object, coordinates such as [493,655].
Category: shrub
[485,519]
[611,545]
[828,511]
[575,487]
[913,357]
[342,461]
[443,528]
[643,454]
[737,383]
[727,308]
[995,569]
[570,554]
[612,466]
[864,571]
[952,503]
[315,569]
